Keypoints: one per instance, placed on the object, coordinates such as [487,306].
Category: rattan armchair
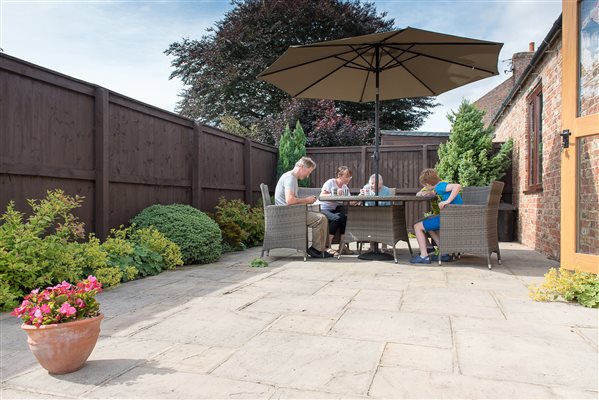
[285,227]
[471,227]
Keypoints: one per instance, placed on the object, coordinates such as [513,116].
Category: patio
[327,329]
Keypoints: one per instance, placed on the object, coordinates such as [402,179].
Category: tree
[292,147]
[323,124]
[219,70]
[230,124]
[467,157]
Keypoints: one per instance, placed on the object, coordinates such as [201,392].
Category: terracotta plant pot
[63,348]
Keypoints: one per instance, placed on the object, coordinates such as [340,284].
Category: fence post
[102,162]
[247,169]
[196,169]
[363,162]
[424,156]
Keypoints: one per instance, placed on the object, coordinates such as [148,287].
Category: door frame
[579,127]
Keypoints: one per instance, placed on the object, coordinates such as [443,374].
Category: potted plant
[62,324]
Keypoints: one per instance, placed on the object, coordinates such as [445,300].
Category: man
[286,194]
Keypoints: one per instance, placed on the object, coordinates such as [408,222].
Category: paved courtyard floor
[327,329]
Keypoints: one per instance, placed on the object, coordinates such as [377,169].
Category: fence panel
[121,154]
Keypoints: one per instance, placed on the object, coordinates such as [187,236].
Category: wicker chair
[472,227]
[285,227]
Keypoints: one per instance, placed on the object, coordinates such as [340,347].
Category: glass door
[580,132]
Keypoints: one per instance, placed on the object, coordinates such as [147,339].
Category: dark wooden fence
[124,155]
[121,154]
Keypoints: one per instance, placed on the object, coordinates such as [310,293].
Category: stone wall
[538,224]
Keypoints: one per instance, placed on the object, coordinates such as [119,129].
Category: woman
[334,211]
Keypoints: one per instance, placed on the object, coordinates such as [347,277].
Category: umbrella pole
[376,122]
[375,254]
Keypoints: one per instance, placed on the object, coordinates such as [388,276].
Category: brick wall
[538,222]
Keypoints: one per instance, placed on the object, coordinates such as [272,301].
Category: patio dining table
[383,224]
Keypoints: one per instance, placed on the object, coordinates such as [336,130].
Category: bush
[157,242]
[467,157]
[582,287]
[198,236]
[292,147]
[42,251]
[242,226]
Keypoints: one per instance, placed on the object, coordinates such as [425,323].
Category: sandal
[333,252]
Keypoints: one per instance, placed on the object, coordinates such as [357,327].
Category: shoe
[346,251]
[444,258]
[420,260]
[312,252]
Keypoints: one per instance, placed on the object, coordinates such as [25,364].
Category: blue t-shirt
[441,190]
[385,191]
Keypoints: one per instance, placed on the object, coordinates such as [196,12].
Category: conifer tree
[292,147]
[467,157]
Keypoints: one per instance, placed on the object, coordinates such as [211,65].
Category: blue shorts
[432,223]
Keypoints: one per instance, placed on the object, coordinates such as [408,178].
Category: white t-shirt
[331,187]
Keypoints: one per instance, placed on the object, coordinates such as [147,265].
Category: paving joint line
[376,370]
[455,364]
[498,302]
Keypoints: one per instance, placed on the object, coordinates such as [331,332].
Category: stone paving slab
[305,362]
[215,327]
[396,327]
[451,301]
[416,357]
[406,383]
[327,329]
[168,383]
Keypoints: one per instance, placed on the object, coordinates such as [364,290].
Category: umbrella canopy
[382,66]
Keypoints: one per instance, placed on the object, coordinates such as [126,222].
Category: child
[449,194]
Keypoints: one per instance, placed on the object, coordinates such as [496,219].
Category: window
[535,139]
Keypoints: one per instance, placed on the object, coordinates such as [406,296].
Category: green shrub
[292,147]
[109,276]
[467,157]
[120,252]
[40,251]
[157,242]
[579,286]
[198,236]
[242,226]
[258,263]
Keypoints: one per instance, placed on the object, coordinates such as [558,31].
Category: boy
[449,194]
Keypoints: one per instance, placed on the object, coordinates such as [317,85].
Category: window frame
[534,132]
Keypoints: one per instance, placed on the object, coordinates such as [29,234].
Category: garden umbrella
[382,66]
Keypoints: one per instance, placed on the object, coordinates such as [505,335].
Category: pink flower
[76,301]
[37,313]
[67,309]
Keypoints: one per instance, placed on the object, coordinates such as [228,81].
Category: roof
[414,133]
[553,34]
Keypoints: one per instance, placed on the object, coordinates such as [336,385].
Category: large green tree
[219,70]
[468,157]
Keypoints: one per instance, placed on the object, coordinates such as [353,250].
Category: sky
[119,44]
